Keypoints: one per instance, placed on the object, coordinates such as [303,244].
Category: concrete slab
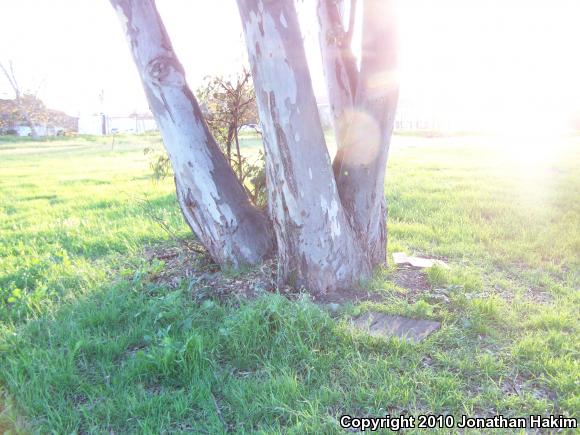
[400,258]
[384,325]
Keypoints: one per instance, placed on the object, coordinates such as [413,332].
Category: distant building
[407,117]
[104,125]
[411,117]
[47,122]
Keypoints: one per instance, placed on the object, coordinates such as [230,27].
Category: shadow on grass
[133,356]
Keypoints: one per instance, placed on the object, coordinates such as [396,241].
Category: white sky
[478,59]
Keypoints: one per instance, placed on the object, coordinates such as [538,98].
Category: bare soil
[187,259]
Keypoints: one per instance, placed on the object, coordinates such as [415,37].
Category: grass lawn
[91,342]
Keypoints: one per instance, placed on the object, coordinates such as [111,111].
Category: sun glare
[502,67]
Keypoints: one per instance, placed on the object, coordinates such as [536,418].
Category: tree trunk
[363,104]
[317,248]
[24,112]
[229,141]
[237,140]
[214,203]
[339,63]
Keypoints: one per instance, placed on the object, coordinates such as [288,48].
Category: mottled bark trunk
[340,68]
[316,245]
[213,202]
[363,105]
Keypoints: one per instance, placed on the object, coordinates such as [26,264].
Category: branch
[348,34]
[246,74]
[14,76]
[10,78]
[40,84]
[245,103]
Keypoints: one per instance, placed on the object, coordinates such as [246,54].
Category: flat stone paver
[400,258]
[384,325]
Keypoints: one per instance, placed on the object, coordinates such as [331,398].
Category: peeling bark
[339,62]
[364,114]
[214,203]
[317,248]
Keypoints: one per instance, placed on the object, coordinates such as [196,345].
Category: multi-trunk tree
[326,220]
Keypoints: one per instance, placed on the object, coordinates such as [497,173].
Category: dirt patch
[538,296]
[185,259]
[188,260]
[418,287]
[11,421]
[349,295]
[530,294]
[412,279]
[520,385]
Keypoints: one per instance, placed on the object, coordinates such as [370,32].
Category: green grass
[89,342]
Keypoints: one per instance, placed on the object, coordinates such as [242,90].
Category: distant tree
[328,220]
[28,105]
[8,114]
[229,104]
